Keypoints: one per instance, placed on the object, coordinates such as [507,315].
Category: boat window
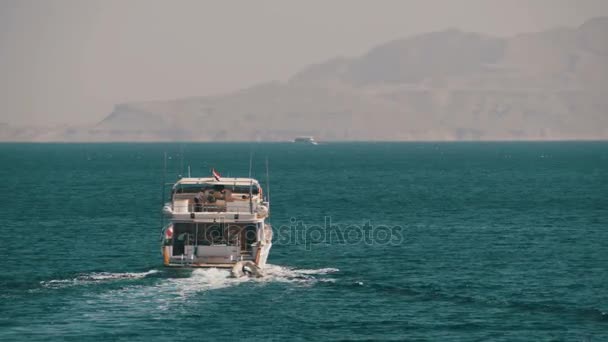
[214,234]
[207,234]
[191,188]
[196,188]
[251,234]
[244,189]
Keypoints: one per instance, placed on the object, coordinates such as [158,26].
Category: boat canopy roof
[223,181]
[239,185]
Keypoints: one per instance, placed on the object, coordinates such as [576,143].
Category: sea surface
[373,241]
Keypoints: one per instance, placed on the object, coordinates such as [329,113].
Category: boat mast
[250,183]
[181,160]
[162,199]
[267,183]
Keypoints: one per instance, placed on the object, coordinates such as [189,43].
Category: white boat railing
[183,207]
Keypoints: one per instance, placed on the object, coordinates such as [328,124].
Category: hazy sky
[70,61]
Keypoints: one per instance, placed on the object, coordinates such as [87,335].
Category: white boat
[305,140]
[217,222]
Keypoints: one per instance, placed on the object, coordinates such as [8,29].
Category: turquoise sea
[373,241]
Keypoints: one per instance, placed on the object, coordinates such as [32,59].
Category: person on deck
[198,201]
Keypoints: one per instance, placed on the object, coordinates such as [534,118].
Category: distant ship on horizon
[309,140]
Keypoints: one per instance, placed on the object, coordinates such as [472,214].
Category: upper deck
[210,199]
[226,181]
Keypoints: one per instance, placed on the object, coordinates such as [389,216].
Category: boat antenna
[250,183]
[162,199]
[267,182]
[250,196]
[181,159]
[250,162]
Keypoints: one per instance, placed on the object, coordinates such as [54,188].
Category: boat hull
[214,260]
[216,223]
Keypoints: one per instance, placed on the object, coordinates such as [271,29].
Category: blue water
[469,241]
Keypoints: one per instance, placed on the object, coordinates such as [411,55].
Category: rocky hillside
[447,85]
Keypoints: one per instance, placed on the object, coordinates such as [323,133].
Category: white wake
[95,277]
[164,292]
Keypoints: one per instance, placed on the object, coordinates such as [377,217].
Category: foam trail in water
[292,275]
[169,290]
[95,277]
[199,280]
[319,271]
[213,278]
[165,292]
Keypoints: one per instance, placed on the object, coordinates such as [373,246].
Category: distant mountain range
[447,85]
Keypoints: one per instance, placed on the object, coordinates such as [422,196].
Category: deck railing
[233,207]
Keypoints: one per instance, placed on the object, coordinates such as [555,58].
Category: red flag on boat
[169,232]
[216,175]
